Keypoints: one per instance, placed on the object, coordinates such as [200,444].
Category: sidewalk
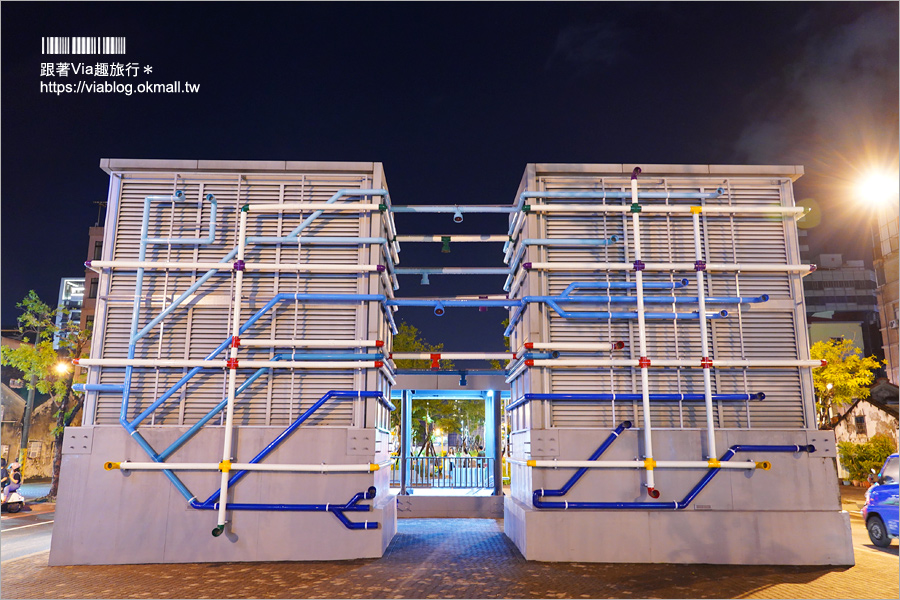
[455,558]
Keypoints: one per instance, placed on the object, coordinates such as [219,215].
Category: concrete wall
[788,515]
[119,517]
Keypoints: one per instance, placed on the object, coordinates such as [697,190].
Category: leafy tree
[43,369]
[846,377]
[859,459]
[497,364]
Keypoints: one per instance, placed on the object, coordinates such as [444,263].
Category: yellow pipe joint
[109,466]
[531,463]
[714,463]
[696,210]
[764,465]
[225,466]
[373,467]
[649,464]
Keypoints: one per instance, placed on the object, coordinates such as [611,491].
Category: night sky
[454,99]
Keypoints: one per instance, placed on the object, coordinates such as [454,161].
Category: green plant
[859,459]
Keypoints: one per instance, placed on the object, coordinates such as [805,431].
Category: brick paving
[449,558]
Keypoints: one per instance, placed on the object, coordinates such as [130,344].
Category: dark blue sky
[454,99]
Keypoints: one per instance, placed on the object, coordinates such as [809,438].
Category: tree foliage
[848,373]
[860,459]
[42,366]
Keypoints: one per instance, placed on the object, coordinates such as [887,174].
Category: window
[860,425]
[4,450]
[98,251]
[34,448]
[92,291]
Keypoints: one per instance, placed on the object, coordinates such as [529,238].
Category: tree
[44,370]
[860,459]
[845,378]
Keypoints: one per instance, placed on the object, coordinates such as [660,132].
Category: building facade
[886,242]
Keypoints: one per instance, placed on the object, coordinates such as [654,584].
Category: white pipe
[520,276]
[574,346]
[636,464]
[704,346]
[642,333]
[453,355]
[232,371]
[387,374]
[668,209]
[624,362]
[317,206]
[518,371]
[323,468]
[723,267]
[453,238]
[263,343]
[203,266]
[218,364]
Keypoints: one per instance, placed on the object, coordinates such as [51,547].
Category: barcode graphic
[83,45]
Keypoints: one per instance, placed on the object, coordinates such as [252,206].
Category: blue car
[881,510]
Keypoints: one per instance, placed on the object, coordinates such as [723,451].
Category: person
[4,474]
[15,480]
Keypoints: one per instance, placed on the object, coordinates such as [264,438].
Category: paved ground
[454,558]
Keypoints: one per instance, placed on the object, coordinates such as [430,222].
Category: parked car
[881,510]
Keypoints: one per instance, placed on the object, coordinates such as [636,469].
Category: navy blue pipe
[337,510]
[632,397]
[678,505]
[287,432]
[574,478]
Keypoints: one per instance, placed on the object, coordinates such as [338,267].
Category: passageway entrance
[448,442]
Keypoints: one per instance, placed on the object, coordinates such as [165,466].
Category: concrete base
[709,537]
[121,517]
[450,507]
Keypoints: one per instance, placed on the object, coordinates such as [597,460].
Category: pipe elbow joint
[439,310]
[179,195]
[635,172]
[218,530]
[370,493]
[626,425]
[653,492]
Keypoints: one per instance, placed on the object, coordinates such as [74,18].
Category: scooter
[14,503]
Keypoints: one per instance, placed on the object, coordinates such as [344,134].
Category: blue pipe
[209,239]
[337,195]
[580,472]
[187,435]
[187,377]
[622,285]
[571,241]
[98,387]
[464,302]
[650,299]
[290,429]
[678,505]
[177,302]
[632,397]
[540,355]
[337,510]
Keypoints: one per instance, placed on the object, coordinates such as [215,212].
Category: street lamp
[879,188]
[61,368]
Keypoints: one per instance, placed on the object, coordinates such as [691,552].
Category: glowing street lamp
[61,368]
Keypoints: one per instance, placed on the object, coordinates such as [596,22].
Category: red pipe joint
[231,363]
[644,362]
[706,362]
[235,342]
[379,343]
[653,492]
[529,363]
[435,361]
